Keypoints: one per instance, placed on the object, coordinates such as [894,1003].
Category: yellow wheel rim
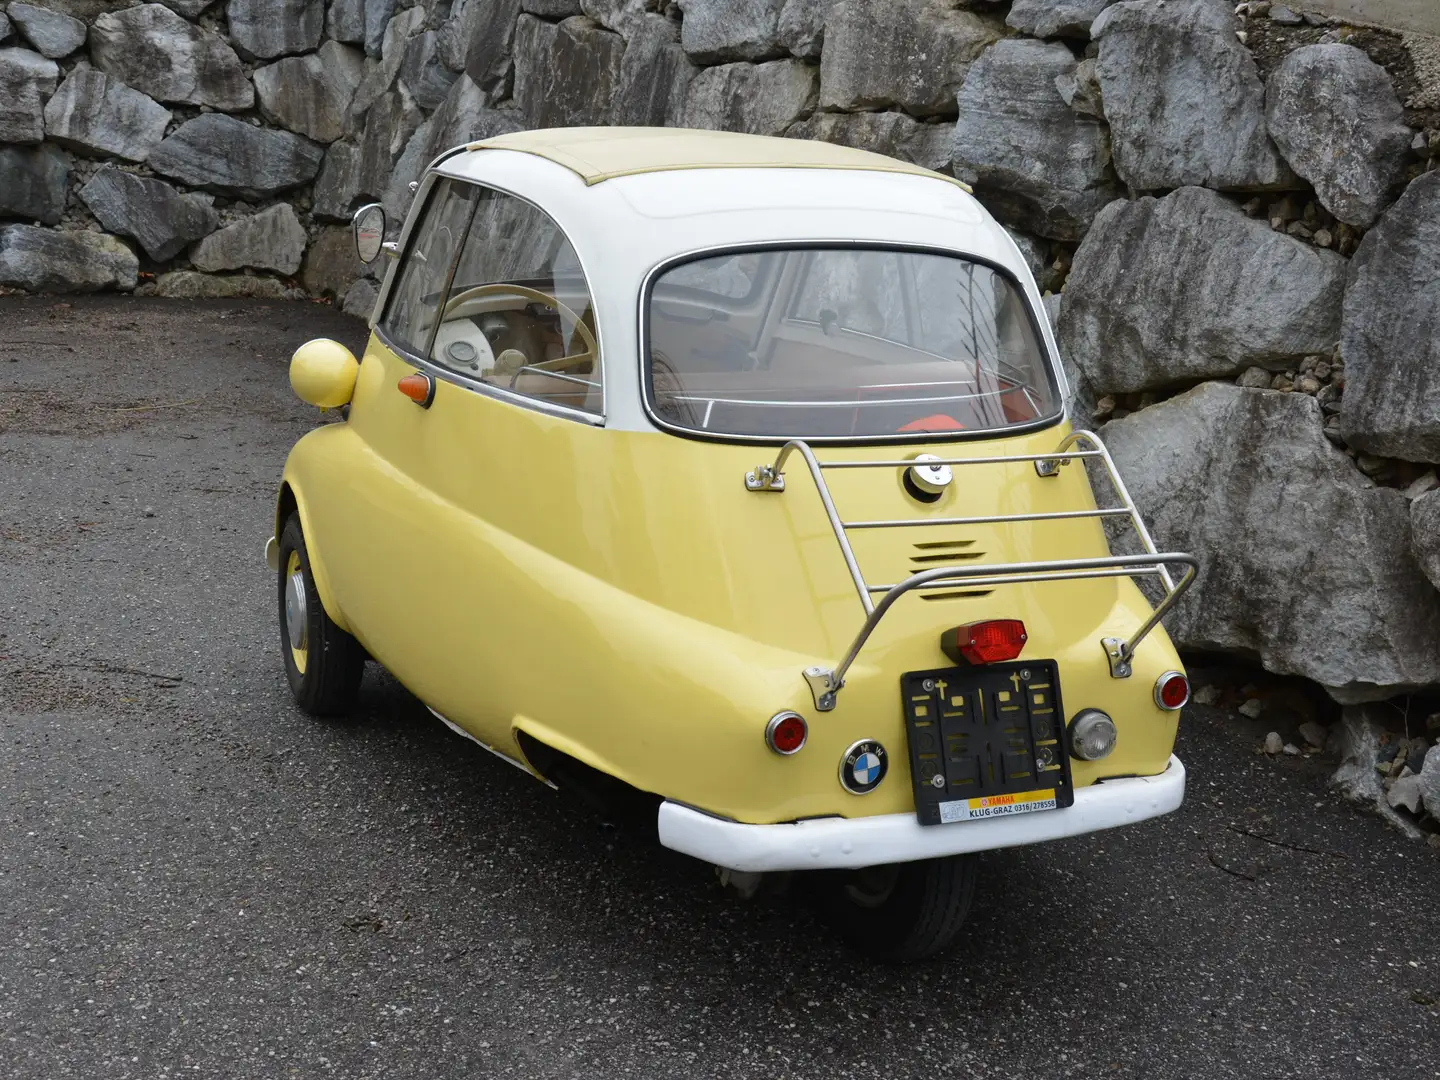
[297,622]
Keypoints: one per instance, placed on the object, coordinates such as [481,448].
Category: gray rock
[620,16]
[1080,89]
[1335,116]
[890,133]
[567,74]
[761,99]
[337,187]
[388,129]
[263,29]
[158,53]
[722,31]
[331,265]
[360,299]
[1285,16]
[554,10]
[95,114]
[380,76]
[655,76]
[1391,335]
[26,80]
[912,54]
[1081,401]
[1315,735]
[311,94]
[5,27]
[1240,477]
[1273,743]
[1184,99]
[360,22]
[273,239]
[33,182]
[1425,534]
[51,33]
[409,166]
[1257,378]
[1165,291]
[1056,18]
[801,27]
[1429,781]
[1033,161]
[486,33]
[423,72]
[1405,791]
[189,285]
[1360,737]
[463,118]
[43,260]
[1033,252]
[232,157]
[191,9]
[162,220]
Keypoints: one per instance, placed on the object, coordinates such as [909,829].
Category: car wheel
[901,911]
[323,663]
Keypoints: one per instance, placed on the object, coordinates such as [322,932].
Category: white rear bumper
[829,843]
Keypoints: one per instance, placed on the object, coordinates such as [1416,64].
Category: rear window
[843,343]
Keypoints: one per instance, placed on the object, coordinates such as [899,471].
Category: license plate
[986,741]
[991,806]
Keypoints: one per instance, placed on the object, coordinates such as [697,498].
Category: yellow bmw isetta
[733,473]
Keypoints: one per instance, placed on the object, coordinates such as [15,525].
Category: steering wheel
[560,363]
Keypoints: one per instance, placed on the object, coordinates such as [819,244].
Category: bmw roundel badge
[863,767]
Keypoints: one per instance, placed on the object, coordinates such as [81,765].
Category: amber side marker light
[419,388]
[1172,691]
[989,642]
[786,733]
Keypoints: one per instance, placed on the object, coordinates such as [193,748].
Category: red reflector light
[1172,691]
[989,642]
[786,732]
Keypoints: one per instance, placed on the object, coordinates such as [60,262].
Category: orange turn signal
[419,388]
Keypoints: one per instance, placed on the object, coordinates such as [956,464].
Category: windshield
[843,343]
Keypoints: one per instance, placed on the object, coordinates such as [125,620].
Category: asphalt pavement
[197,880]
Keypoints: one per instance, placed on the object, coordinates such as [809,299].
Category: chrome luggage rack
[826,683]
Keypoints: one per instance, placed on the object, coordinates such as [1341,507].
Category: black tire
[327,681]
[899,913]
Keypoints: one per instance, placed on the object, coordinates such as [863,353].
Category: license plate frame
[991,732]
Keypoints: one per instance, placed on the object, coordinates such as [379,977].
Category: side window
[410,313]
[518,313]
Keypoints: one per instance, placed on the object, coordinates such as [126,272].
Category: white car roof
[632,199]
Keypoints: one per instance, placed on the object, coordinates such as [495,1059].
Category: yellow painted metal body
[623,598]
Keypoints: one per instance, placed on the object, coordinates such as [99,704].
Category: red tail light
[989,642]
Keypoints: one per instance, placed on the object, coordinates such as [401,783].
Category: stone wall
[1232,208]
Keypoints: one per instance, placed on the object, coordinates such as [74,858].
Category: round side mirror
[322,373]
[368,225]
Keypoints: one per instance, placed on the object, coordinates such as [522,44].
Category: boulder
[1425,535]
[1334,115]
[801,27]
[423,72]
[380,76]
[311,94]
[189,285]
[158,53]
[162,220]
[1055,18]
[722,31]
[655,75]
[337,187]
[95,114]
[43,260]
[890,133]
[1429,782]
[1246,481]
[33,182]
[1390,339]
[566,74]
[52,33]
[1032,160]
[6,29]
[331,265]
[621,16]
[360,299]
[388,129]
[273,239]
[1080,90]
[191,9]
[554,10]
[397,196]
[1167,291]
[362,22]
[235,158]
[485,33]
[1360,739]
[263,29]
[1184,99]
[910,54]
[761,99]
[464,117]
[26,80]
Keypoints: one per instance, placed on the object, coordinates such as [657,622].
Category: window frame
[445,374]
[647,387]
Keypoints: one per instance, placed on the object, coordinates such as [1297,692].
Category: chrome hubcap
[295,613]
[872,886]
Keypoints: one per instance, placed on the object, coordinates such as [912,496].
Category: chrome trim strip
[998,519]
[522,766]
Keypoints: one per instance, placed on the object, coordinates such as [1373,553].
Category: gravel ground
[197,880]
